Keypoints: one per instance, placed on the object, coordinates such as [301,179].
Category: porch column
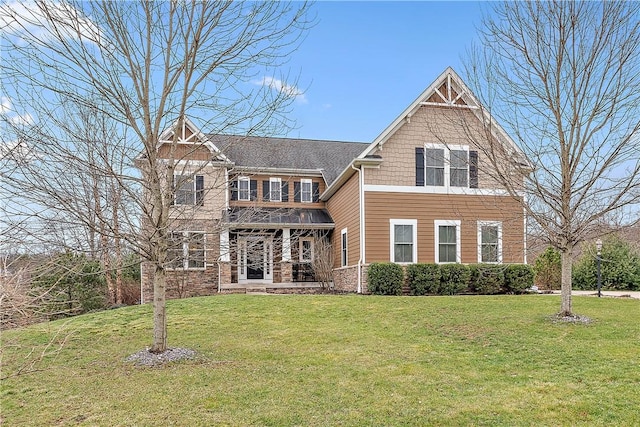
[225,256]
[286,244]
[285,265]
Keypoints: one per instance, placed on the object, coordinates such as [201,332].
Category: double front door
[255,258]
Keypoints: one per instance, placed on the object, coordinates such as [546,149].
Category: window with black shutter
[473,169]
[233,186]
[297,192]
[253,186]
[419,166]
[199,190]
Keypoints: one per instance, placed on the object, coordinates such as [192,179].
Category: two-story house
[254,210]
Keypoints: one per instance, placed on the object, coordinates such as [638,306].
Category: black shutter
[199,190]
[284,191]
[253,187]
[265,191]
[316,192]
[296,191]
[473,169]
[420,166]
[233,185]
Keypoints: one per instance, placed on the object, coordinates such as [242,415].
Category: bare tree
[143,66]
[563,78]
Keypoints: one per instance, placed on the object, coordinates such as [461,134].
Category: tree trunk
[565,305]
[159,311]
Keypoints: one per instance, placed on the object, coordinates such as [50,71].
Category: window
[186,250]
[403,234]
[275,192]
[434,166]
[489,241]
[306,191]
[458,167]
[445,166]
[306,249]
[189,189]
[447,241]
[244,190]
[343,248]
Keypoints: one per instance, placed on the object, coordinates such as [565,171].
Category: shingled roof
[330,157]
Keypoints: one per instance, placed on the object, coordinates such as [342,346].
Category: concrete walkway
[609,294]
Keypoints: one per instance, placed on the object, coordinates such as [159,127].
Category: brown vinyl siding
[268,204]
[429,125]
[380,207]
[214,196]
[344,208]
[185,152]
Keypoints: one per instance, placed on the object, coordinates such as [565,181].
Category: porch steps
[270,288]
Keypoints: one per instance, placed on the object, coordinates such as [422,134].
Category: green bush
[547,269]
[385,278]
[454,278]
[487,279]
[620,267]
[518,278]
[423,278]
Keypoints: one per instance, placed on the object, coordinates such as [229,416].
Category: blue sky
[365,62]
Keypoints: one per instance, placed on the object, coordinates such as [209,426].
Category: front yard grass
[287,360]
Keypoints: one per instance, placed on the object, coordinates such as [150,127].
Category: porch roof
[253,217]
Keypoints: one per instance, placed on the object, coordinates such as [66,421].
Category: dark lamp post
[598,260]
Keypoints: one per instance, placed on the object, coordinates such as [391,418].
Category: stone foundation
[184,283]
[345,279]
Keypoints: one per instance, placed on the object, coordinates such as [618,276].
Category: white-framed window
[446,165]
[306,190]
[490,241]
[275,189]
[186,250]
[403,238]
[305,249]
[447,241]
[188,189]
[244,188]
[344,260]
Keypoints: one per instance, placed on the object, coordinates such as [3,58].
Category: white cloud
[5,105]
[17,151]
[24,119]
[20,18]
[288,90]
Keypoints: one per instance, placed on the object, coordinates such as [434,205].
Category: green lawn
[338,360]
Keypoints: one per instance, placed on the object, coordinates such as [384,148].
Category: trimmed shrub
[423,278]
[487,279]
[547,269]
[385,278]
[454,278]
[518,278]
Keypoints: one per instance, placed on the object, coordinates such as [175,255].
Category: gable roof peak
[184,131]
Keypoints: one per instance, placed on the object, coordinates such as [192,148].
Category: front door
[255,259]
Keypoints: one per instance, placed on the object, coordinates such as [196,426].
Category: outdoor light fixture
[598,261]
